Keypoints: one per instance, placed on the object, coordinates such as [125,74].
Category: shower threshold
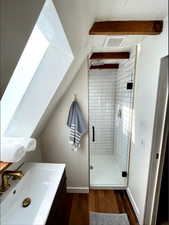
[107,187]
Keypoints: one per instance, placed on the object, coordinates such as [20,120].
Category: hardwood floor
[78,206]
[79,213]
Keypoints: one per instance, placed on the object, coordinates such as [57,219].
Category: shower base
[106,173]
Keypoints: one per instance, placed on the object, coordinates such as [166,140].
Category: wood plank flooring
[78,206]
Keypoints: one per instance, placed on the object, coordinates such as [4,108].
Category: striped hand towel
[76,124]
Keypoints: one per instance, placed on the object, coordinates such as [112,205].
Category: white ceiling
[78,16]
[125,10]
[130,9]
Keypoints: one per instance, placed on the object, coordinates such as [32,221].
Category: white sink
[40,183]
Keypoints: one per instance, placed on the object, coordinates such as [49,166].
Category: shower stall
[110,121]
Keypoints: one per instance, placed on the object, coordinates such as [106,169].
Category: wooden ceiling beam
[105,66]
[110,55]
[127,28]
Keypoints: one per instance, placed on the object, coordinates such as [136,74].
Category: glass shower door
[109,137]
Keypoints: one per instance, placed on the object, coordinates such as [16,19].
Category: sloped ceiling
[77,16]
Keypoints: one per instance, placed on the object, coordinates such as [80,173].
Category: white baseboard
[136,210]
[83,190]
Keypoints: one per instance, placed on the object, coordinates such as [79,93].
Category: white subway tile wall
[123,103]
[101,110]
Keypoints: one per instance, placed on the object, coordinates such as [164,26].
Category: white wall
[153,48]
[54,139]
[101,110]
[34,156]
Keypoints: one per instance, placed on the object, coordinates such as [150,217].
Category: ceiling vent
[97,62]
[112,42]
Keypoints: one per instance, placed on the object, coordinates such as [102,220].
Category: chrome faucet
[6,175]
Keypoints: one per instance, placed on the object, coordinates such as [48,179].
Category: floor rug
[108,219]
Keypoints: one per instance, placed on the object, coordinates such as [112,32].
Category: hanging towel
[14,148]
[76,124]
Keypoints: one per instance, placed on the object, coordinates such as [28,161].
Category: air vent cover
[97,62]
[114,42]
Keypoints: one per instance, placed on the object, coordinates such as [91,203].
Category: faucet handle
[19,174]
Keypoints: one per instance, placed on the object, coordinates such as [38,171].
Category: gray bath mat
[108,219]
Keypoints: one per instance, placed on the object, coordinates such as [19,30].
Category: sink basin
[40,184]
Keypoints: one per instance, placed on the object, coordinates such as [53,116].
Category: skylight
[23,74]
[43,64]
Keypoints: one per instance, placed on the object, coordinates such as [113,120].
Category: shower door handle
[93,131]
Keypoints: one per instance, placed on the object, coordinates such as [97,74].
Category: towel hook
[74,97]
